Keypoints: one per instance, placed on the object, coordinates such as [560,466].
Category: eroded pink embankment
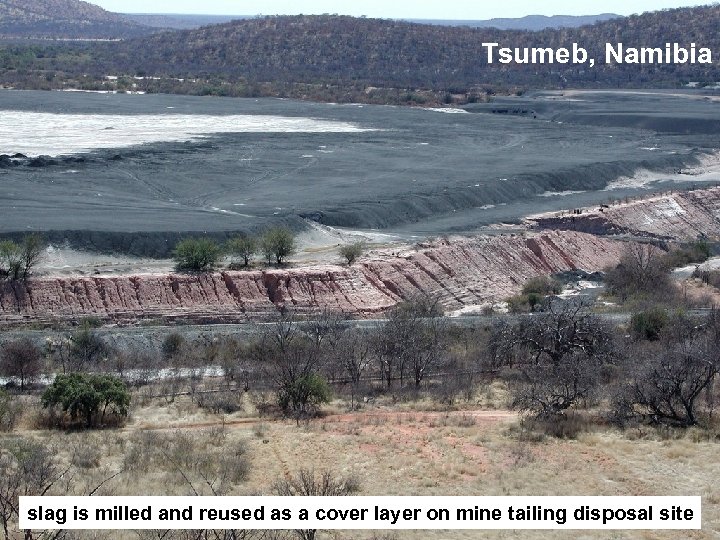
[463,271]
[680,216]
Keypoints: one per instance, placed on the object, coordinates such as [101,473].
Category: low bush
[352,252]
[649,324]
[543,286]
[223,402]
[10,411]
[694,253]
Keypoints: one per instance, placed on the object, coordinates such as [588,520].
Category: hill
[180,21]
[63,19]
[373,52]
[339,58]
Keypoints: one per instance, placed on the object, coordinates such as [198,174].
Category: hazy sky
[417,9]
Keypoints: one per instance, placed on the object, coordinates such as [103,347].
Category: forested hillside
[346,58]
[391,53]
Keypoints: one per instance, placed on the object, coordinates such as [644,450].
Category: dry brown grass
[395,450]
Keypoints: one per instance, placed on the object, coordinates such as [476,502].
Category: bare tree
[203,474]
[21,359]
[412,338]
[86,349]
[353,355]
[26,469]
[308,483]
[642,270]
[664,382]
[31,252]
[558,356]
[325,330]
[293,361]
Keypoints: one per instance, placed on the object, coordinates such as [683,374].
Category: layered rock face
[464,272]
[678,216]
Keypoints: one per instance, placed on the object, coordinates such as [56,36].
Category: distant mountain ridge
[64,19]
[179,21]
[529,22]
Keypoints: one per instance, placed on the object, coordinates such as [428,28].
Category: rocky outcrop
[464,272]
[677,216]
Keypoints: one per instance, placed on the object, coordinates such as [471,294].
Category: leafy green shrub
[242,247]
[694,253]
[278,244]
[88,397]
[303,395]
[197,254]
[10,259]
[542,285]
[649,324]
[17,260]
[534,293]
[352,252]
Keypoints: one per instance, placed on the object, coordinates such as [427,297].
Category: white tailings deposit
[35,134]
[448,110]
[708,170]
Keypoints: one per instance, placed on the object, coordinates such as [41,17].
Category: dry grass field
[392,449]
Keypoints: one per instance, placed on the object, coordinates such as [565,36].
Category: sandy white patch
[448,110]
[578,288]
[559,193]
[35,134]
[708,170]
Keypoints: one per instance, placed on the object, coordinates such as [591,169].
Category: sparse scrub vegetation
[172,345]
[708,277]
[10,411]
[556,358]
[693,253]
[403,390]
